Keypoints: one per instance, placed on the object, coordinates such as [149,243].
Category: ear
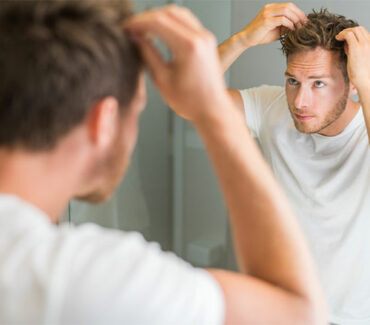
[103,122]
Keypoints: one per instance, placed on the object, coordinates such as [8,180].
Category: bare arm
[358,51]
[231,49]
[281,285]
[265,28]
[269,244]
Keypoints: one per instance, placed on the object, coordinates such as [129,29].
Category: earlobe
[102,122]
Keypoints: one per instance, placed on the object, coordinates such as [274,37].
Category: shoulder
[264,95]
[264,90]
[149,276]
[264,99]
[122,267]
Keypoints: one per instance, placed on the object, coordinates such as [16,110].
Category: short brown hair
[319,31]
[56,59]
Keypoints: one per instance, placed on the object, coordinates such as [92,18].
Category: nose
[303,98]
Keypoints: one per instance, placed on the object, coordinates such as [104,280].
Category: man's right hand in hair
[271,22]
[265,28]
[191,82]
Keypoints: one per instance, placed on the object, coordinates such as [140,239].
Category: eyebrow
[310,77]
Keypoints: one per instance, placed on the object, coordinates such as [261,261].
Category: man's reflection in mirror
[315,138]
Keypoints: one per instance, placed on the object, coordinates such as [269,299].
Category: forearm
[364,95]
[268,241]
[231,49]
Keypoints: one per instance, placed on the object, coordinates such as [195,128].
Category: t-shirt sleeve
[114,277]
[256,103]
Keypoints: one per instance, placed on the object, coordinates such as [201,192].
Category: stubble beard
[331,117]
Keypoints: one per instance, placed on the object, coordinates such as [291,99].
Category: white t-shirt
[90,275]
[327,180]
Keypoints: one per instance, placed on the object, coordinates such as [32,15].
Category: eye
[292,81]
[319,84]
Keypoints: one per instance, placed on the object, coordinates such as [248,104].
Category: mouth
[303,117]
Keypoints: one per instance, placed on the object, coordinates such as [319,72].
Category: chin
[305,131]
[304,128]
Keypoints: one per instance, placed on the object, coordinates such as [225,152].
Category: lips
[303,117]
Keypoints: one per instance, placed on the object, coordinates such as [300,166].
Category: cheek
[290,95]
[329,93]
[327,97]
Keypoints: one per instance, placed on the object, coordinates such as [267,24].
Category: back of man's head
[319,31]
[56,59]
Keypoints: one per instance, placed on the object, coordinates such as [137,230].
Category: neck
[32,177]
[344,119]
[47,180]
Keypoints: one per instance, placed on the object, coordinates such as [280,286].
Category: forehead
[314,62]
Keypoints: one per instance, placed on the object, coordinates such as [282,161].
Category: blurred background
[170,193]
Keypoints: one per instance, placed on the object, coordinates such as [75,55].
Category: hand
[357,48]
[192,82]
[271,22]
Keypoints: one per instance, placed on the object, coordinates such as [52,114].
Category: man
[314,137]
[71,93]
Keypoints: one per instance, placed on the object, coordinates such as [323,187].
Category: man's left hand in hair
[357,48]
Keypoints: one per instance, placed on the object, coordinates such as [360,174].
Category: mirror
[170,193]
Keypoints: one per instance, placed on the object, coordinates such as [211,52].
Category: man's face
[316,91]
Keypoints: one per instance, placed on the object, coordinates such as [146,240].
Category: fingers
[194,68]
[290,15]
[354,34]
[288,10]
[357,48]
[302,16]
[174,32]
[151,56]
[357,41]
[349,36]
[282,21]
[185,17]
[363,34]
